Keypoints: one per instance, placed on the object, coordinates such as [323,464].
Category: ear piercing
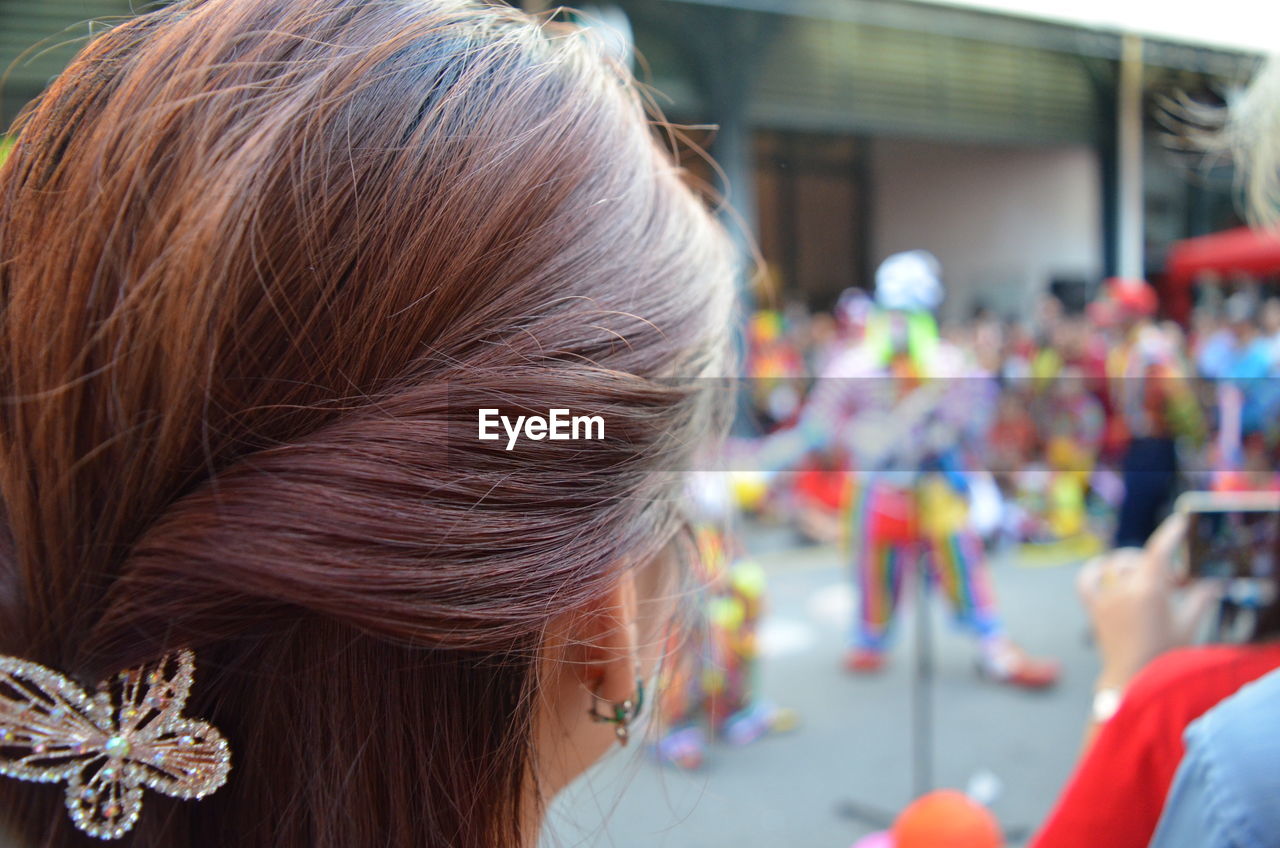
[620,714]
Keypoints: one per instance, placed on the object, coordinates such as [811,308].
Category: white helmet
[909,281]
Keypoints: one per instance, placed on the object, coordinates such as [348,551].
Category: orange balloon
[946,819]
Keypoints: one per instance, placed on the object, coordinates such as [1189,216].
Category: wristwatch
[1105,704]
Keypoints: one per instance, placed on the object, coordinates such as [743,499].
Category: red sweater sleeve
[1118,789]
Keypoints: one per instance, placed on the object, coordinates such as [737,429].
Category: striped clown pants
[897,531]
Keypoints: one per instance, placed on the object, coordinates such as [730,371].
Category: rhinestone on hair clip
[128,734]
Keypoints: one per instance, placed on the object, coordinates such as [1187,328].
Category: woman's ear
[590,663]
[605,643]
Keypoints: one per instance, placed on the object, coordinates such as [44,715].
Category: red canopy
[1239,250]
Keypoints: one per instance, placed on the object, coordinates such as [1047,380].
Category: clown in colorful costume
[1156,405]
[909,415]
[1052,488]
[709,675]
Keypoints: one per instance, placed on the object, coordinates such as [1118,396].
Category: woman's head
[262,263]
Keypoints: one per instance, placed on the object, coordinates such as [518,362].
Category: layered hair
[260,261]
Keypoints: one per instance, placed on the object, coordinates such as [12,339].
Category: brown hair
[261,260]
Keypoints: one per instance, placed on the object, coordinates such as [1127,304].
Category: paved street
[854,740]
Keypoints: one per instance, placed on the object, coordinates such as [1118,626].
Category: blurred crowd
[1058,430]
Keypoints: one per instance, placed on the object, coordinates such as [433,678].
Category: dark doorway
[813,202]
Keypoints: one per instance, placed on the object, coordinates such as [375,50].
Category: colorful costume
[895,528]
[1052,490]
[709,677]
[908,414]
[1156,404]
[774,365]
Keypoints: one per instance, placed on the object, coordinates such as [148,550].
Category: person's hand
[1129,595]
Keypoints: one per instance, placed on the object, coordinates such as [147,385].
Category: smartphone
[1231,535]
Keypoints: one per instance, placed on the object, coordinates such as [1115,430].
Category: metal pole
[733,151]
[1129,196]
[922,690]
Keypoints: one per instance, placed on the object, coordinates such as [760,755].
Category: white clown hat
[909,281]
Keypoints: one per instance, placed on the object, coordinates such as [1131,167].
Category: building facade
[846,130]
[851,129]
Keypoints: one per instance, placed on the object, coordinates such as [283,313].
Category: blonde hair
[1251,134]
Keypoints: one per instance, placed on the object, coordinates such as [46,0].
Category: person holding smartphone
[1151,686]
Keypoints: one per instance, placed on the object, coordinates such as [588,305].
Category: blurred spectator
[1271,327]
[1148,692]
[1155,405]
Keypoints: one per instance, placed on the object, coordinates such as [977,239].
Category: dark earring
[620,714]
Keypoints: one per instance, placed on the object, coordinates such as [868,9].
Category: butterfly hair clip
[108,745]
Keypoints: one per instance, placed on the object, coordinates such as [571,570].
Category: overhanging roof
[1003,29]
